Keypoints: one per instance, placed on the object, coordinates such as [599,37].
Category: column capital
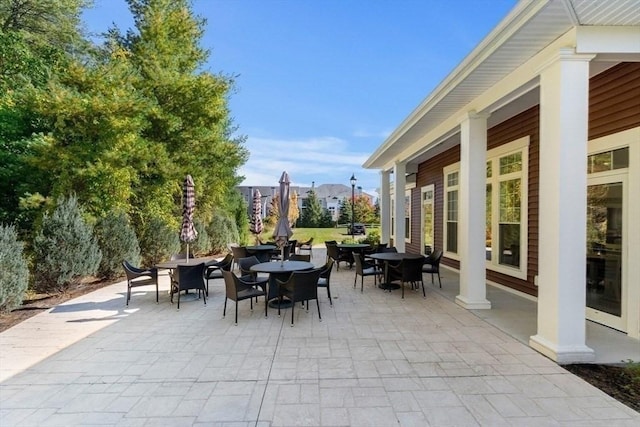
[565,54]
[473,115]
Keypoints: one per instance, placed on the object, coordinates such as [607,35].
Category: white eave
[525,31]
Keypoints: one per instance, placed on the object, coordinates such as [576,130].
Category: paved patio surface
[374,360]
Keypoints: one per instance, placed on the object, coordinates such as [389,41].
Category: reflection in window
[452,221]
[509,222]
[609,160]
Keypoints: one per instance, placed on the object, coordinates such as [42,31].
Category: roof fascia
[608,39]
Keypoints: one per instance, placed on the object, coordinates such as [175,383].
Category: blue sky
[322,83]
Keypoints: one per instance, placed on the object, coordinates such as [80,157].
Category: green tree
[314,215]
[37,40]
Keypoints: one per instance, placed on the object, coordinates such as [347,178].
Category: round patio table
[351,248]
[262,252]
[191,261]
[388,257]
[279,271]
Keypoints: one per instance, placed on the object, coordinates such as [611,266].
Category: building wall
[614,100]
[614,106]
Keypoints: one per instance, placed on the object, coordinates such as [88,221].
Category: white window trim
[454,167]
[430,188]
[407,194]
[518,145]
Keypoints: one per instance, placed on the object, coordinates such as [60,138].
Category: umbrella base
[286,303]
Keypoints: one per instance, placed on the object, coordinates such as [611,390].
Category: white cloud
[323,160]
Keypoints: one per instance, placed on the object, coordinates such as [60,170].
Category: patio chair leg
[424,294]
[329,295]
[292,307]
[236,313]
[224,310]
[266,305]
[157,294]
[318,305]
[178,300]
[439,281]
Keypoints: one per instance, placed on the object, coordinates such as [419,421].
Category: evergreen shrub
[118,241]
[14,274]
[202,244]
[222,230]
[158,241]
[65,249]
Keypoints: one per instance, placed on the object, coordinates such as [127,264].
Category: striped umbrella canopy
[256,214]
[188,232]
[283,231]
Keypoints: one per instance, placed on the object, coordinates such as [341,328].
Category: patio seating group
[298,284]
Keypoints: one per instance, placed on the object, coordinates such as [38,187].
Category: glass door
[427,219]
[605,231]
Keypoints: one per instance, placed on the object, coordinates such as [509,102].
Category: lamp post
[353,201]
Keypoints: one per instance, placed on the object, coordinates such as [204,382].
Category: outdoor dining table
[351,248]
[173,264]
[262,252]
[279,271]
[391,257]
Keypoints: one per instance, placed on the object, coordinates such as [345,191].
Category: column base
[562,354]
[473,305]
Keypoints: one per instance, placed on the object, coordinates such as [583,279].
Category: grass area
[320,235]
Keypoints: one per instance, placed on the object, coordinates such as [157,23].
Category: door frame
[615,322]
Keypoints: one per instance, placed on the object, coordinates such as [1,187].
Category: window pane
[489,169]
[599,162]
[407,225]
[452,237]
[621,158]
[510,244]
[511,163]
[510,201]
[452,205]
[452,179]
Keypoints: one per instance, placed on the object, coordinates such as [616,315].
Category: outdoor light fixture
[353,201]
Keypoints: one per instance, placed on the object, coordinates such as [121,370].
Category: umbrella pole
[282,256]
[187,253]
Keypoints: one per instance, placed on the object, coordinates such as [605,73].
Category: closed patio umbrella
[256,215]
[188,232]
[283,231]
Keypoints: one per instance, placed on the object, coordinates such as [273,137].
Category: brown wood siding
[614,100]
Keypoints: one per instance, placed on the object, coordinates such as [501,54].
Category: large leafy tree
[124,124]
[37,39]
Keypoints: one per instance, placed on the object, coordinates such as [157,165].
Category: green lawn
[320,235]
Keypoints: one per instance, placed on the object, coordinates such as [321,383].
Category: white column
[385,206]
[472,212]
[400,182]
[564,101]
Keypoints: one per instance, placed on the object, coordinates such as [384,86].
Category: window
[609,160]
[407,216]
[506,207]
[428,218]
[506,202]
[451,212]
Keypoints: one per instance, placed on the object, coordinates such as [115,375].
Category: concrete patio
[374,360]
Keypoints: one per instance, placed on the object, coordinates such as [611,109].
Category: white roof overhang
[504,68]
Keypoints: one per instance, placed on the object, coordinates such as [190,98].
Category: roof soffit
[527,30]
